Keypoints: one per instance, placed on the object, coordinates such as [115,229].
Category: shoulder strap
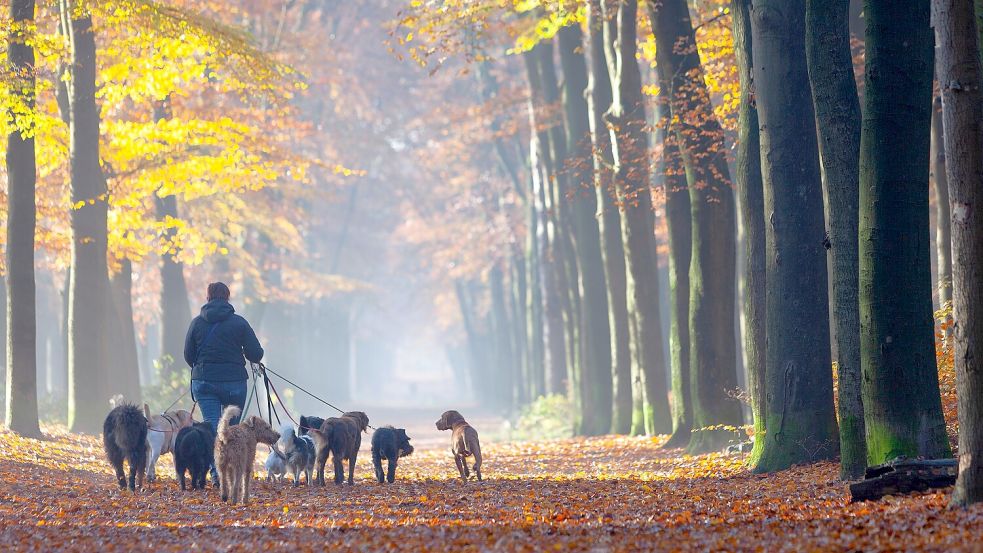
[201,346]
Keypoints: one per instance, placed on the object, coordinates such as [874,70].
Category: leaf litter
[594,494]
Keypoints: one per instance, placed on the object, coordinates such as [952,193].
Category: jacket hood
[216,311]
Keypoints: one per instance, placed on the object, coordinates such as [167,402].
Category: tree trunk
[563,250]
[175,313]
[89,299]
[501,389]
[550,271]
[712,286]
[902,406]
[943,232]
[680,227]
[629,137]
[609,222]
[518,289]
[960,79]
[594,331]
[21,336]
[125,358]
[535,380]
[751,193]
[799,414]
[834,93]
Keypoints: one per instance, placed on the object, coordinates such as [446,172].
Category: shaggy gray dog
[235,452]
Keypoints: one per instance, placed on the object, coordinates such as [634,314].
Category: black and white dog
[298,452]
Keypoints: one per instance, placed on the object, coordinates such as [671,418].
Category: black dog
[389,443]
[194,451]
[124,437]
[306,423]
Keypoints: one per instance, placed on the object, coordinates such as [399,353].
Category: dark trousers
[213,397]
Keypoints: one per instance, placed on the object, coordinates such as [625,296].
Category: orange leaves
[614,493]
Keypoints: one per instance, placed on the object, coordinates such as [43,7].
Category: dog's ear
[250,422]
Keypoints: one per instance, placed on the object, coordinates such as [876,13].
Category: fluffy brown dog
[341,437]
[161,434]
[235,451]
[464,442]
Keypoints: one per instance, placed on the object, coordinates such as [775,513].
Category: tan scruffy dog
[464,442]
[235,452]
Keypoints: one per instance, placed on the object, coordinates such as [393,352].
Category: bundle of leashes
[259,370]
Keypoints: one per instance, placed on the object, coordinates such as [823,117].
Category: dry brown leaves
[612,493]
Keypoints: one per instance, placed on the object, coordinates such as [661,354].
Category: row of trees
[816,184]
[117,171]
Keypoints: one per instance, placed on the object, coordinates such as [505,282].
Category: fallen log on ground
[903,476]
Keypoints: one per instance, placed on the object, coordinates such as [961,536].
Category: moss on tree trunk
[902,406]
[799,415]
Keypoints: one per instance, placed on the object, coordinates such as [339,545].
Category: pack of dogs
[138,439]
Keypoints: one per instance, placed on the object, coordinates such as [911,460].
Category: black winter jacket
[222,357]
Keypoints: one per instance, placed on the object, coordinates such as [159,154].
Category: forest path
[598,494]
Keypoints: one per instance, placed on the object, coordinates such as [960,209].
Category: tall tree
[549,254]
[712,286]
[126,362]
[596,378]
[629,137]
[902,406]
[943,224]
[747,180]
[680,227]
[89,300]
[609,223]
[21,336]
[960,79]
[175,312]
[799,414]
[834,94]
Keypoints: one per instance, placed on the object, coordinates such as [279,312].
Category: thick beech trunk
[89,296]
[747,179]
[609,222]
[834,94]
[595,388]
[629,136]
[960,79]
[799,414]
[902,406]
[712,283]
[21,411]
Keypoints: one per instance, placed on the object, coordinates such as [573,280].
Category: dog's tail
[323,437]
[230,413]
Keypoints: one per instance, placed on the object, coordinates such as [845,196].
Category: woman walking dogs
[218,344]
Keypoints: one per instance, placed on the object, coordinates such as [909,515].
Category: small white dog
[276,466]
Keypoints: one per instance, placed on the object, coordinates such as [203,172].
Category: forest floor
[599,494]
